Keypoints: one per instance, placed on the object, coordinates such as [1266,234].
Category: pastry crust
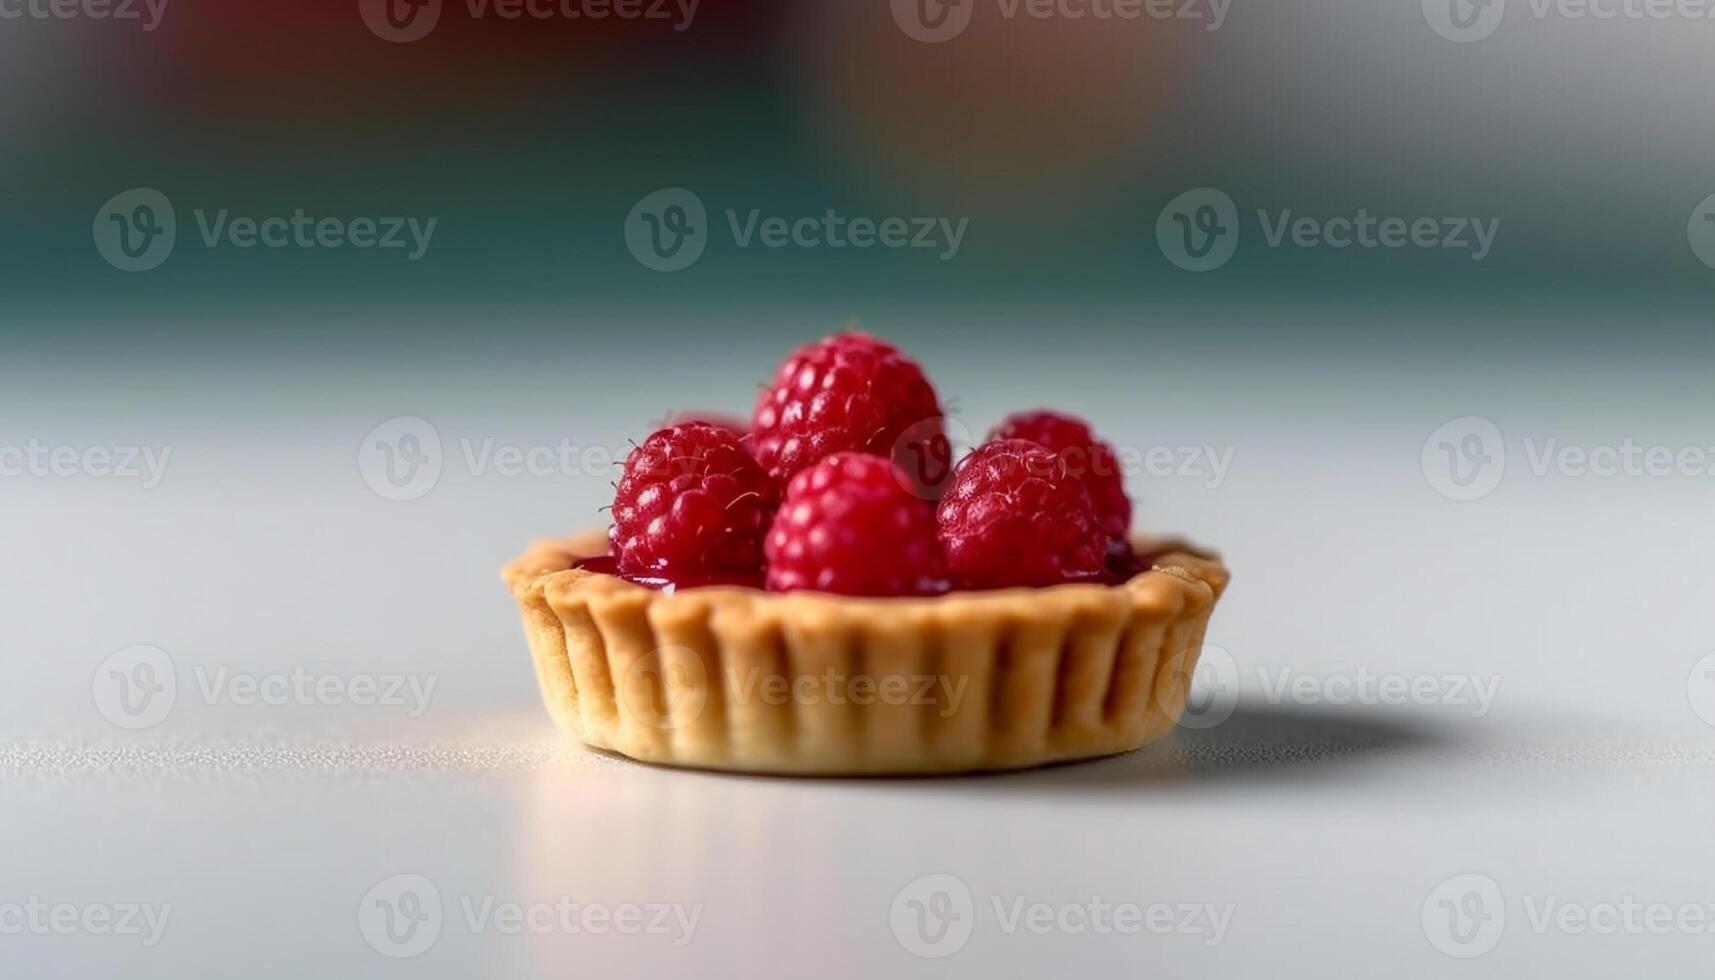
[810,683]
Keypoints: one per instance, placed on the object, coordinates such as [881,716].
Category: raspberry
[846,393]
[692,505]
[849,526]
[1014,516]
[1083,455]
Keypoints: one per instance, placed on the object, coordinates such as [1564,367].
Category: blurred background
[371,294]
[1059,139]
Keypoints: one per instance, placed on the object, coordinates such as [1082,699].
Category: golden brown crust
[736,678]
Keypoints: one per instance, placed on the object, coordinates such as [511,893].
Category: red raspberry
[692,505]
[846,393]
[1083,455]
[849,526]
[1013,516]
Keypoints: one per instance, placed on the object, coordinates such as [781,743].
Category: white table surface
[1323,830]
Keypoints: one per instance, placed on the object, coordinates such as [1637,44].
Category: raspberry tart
[795,598]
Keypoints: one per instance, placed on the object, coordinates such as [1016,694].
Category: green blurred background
[1060,140]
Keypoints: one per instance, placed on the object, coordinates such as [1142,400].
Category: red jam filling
[1123,565]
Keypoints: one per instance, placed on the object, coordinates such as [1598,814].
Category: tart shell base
[807,683]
